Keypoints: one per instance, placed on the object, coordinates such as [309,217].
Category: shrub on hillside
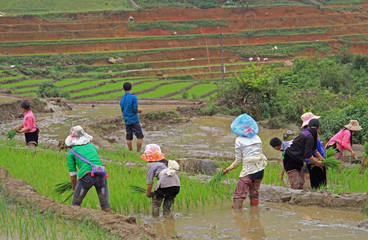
[48,89]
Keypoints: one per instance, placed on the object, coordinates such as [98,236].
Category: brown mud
[21,192]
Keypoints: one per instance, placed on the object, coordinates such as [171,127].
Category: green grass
[26,89]
[17,222]
[22,163]
[213,95]
[67,81]
[34,94]
[135,88]
[164,89]
[9,78]
[198,90]
[21,7]
[85,84]
[103,88]
[25,82]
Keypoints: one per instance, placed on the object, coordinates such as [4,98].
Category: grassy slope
[19,7]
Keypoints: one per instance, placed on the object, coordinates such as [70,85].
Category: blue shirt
[129,108]
[320,149]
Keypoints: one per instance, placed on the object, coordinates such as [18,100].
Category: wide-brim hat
[353,126]
[152,153]
[77,137]
[244,125]
[306,117]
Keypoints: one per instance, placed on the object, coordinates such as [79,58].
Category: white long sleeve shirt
[249,152]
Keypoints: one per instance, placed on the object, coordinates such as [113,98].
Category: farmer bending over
[82,149]
[168,183]
[248,149]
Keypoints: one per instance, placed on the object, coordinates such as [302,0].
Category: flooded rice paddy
[211,137]
[268,221]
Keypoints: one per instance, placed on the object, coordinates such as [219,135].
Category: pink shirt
[342,138]
[29,121]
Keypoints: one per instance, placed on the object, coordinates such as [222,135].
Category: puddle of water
[268,221]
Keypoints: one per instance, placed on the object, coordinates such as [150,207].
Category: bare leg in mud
[130,145]
[139,144]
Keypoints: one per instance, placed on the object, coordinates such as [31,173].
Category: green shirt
[88,151]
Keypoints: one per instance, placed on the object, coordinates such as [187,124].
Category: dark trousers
[164,194]
[83,186]
[31,138]
[317,176]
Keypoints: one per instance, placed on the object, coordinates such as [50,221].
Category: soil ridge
[125,227]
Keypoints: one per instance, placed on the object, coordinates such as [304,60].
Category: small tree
[48,89]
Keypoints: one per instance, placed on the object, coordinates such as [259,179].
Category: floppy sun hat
[353,126]
[153,153]
[244,125]
[306,117]
[77,137]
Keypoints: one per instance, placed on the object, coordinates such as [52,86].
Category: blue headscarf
[245,126]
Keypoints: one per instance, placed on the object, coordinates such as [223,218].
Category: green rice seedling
[137,189]
[217,178]
[11,134]
[64,187]
[330,160]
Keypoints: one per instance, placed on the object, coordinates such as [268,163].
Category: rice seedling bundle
[217,178]
[62,188]
[10,135]
[137,189]
[330,160]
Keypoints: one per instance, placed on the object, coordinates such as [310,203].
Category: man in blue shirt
[129,108]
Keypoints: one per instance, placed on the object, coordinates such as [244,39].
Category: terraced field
[92,54]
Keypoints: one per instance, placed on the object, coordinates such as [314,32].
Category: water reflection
[165,227]
[249,223]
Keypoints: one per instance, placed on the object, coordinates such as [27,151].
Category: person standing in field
[28,127]
[343,139]
[302,148]
[82,149]
[168,183]
[248,150]
[317,175]
[129,108]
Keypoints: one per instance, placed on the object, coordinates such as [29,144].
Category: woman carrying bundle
[28,127]
[248,150]
[343,139]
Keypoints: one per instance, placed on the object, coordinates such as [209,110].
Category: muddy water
[268,221]
[211,137]
[203,137]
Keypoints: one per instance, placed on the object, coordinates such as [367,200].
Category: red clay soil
[113,25]
[19,191]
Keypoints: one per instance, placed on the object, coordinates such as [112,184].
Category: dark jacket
[302,147]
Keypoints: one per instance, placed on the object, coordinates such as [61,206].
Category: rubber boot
[237,203]
[167,206]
